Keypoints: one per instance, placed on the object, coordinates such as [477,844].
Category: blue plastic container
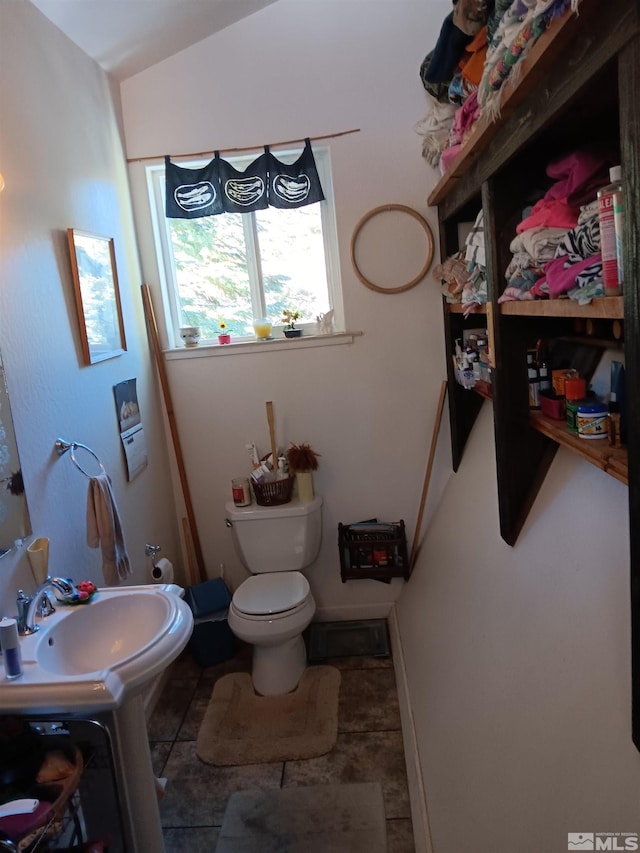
[212,640]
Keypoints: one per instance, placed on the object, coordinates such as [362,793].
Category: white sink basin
[90,657]
[104,633]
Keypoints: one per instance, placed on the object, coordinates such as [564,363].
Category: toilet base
[277,669]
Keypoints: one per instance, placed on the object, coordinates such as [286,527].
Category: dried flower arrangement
[301,457]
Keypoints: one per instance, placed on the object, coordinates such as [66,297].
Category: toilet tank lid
[293,508]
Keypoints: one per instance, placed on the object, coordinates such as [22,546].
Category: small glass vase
[262,328]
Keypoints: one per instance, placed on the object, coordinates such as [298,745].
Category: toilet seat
[273,594]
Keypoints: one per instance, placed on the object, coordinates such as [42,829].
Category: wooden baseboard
[417,792]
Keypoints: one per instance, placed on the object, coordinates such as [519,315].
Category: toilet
[272,608]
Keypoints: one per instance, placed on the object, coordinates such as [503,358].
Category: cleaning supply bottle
[617,406]
[543,373]
[534,380]
[606,219]
[618,220]
[10,645]
[543,368]
[614,408]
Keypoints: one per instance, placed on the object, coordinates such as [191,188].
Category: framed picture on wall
[95,282]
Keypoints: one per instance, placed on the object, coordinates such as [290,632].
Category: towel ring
[397,208]
[63,446]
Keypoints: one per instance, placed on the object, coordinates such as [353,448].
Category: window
[235,268]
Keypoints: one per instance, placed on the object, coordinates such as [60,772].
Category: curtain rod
[249,148]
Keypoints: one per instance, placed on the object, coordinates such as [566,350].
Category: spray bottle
[606,219]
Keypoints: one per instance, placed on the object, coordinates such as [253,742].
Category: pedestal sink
[90,657]
[96,659]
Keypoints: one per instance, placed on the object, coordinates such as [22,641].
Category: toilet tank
[282,538]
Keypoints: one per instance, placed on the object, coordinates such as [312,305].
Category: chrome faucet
[64,587]
[22,604]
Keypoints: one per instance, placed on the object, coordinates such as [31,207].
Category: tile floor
[369,749]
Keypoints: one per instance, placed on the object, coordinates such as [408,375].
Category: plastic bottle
[534,380]
[575,391]
[606,219]
[618,219]
[617,406]
[545,382]
[543,368]
[10,645]
[614,407]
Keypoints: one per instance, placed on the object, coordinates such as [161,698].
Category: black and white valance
[191,193]
[243,192]
[296,184]
[218,187]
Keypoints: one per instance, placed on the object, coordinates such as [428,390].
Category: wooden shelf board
[598,452]
[542,55]
[603,307]
[479,390]
[484,394]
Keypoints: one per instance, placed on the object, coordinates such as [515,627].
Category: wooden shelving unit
[611,460]
[578,86]
[373,551]
[543,55]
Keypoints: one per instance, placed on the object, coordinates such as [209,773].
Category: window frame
[164,255]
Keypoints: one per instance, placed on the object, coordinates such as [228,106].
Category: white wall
[292,70]
[518,661]
[61,156]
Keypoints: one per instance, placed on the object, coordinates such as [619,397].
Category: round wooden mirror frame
[427,230]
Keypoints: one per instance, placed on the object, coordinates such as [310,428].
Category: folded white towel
[104,530]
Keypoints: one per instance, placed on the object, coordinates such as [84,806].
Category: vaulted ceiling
[127,36]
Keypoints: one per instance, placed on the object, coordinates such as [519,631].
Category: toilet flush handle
[228,522]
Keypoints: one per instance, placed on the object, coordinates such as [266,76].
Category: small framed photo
[95,282]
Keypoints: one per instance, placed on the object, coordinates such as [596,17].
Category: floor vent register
[347,639]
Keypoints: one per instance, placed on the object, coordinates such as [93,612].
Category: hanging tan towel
[104,530]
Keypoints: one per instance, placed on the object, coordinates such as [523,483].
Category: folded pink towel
[104,530]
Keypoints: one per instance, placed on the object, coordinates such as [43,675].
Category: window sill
[252,347]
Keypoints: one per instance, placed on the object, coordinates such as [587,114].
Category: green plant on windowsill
[289,319]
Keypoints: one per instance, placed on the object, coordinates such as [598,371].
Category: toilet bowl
[271,608]
[270,612]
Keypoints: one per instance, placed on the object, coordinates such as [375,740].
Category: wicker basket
[274,493]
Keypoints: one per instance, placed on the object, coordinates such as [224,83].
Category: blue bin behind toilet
[212,640]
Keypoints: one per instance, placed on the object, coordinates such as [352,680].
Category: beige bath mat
[317,819]
[240,727]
